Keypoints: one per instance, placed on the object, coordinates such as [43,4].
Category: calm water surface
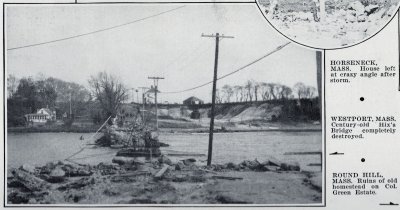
[39,148]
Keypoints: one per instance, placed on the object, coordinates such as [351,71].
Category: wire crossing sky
[163,40]
[94,32]
[233,72]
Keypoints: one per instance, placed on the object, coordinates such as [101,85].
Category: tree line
[263,91]
[106,93]
[102,99]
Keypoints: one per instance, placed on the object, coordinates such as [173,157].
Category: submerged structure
[135,140]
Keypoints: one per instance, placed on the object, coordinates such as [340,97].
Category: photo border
[323,120]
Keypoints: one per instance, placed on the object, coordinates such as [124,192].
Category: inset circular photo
[328,24]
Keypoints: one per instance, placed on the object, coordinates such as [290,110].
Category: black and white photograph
[165,104]
[328,24]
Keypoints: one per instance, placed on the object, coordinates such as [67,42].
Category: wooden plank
[184,154]
[138,173]
[30,181]
[227,177]
[205,170]
[315,164]
[161,172]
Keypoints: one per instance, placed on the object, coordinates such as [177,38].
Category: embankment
[274,115]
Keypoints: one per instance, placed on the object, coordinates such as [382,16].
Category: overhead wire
[183,55]
[233,72]
[187,57]
[199,53]
[94,32]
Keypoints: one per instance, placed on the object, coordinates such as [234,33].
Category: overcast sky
[168,45]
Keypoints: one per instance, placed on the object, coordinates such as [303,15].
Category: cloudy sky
[168,45]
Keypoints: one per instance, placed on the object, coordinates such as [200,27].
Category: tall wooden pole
[137,95]
[155,99]
[211,134]
[70,105]
[155,80]
[143,102]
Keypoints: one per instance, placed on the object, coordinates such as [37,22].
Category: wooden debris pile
[136,140]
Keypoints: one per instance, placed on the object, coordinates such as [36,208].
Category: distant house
[43,115]
[193,101]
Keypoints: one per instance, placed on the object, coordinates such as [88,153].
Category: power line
[188,55]
[233,72]
[184,54]
[93,32]
[155,88]
[192,59]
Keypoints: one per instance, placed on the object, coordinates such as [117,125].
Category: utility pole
[211,134]
[155,81]
[143,101]
[70,105]
[133,94]
[137,95]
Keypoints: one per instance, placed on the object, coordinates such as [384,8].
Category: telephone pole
[211,134]
[155,82]
[133,94]
[143,101]
[70,105]
[137,95]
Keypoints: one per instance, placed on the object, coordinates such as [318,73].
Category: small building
[42,116]
[193,101]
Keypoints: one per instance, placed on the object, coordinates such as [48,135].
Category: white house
[43,115]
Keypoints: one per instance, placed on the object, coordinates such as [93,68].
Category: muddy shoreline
[161,181]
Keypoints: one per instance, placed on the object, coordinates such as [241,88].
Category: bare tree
[274,89]
[109,91]
[265,91]
[270,89]
[243,94]
[46,95]
[218,98]
[256,88]
[249,86]
[12,85]
[300,90]
[237,90]
[310,92]
[227,90]
[285,92]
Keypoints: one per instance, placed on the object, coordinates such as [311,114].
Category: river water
[39,148]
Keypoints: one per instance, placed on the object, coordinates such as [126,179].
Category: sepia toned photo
[160,104]
[328,24]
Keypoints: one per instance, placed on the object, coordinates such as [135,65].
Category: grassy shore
[190,126]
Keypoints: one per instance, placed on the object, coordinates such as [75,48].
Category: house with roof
[193,101]
[42,116]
